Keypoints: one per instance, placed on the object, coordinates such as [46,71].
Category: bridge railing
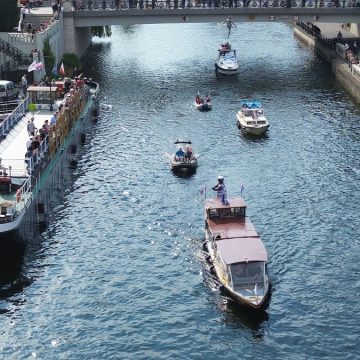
[78,5]
[314,31]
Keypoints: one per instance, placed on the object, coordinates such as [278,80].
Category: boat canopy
[182,142]
[251,104]
[222,228]
[241,250]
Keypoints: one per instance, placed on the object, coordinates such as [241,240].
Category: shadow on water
[238,316]
[184,174]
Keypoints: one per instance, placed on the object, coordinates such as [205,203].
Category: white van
[8,90]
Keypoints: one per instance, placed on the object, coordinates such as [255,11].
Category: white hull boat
[251,119]
[227,62]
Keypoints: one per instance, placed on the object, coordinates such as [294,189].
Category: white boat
[227,62]
[251,118]
[184,159]
[236,252]
[201,104]
[26,181]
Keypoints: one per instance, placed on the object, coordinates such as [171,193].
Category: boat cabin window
[229,212]
[239,211]
[213,213]
[248,112]
[261,122]
[248,276]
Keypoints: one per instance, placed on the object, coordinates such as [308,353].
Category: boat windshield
[248,278]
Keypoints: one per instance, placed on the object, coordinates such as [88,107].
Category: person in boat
[208,99]
[198,99]
[188,154]
[179,155]
[220,188]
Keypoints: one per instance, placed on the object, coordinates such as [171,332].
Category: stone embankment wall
[339,66]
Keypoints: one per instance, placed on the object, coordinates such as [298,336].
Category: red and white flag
[62,69]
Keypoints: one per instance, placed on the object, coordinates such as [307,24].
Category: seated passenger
[179,155]
[198,99]
[208,99]
[188,154]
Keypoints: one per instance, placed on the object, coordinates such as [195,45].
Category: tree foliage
[101,31]
[49,58]
[71,62]
[9,15]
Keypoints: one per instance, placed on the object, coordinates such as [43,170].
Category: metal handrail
[79,5]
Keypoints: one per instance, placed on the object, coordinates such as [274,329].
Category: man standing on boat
[220,188]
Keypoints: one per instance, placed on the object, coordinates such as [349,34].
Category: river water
[119,272]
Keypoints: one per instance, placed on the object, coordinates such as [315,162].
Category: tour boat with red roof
[237,254]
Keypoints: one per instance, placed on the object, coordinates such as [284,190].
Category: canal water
[119,272]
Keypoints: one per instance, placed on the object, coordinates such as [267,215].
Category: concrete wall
[76,40]
[339,67]
[355,29]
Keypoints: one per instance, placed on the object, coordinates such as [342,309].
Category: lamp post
[51,99]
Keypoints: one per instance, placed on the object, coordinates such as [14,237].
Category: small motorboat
[227,62]
[203,104]
[236,253]
[251,118]
[184,159]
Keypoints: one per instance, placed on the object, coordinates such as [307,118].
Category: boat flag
[39,66]
[241,189]
[62,69]
[32,66]
[55,70]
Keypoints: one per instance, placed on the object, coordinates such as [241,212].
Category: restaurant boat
[237,255]
[30,165]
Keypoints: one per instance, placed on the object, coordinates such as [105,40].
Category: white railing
[11,120]
[23,195]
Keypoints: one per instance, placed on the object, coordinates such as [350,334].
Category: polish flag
[62,69]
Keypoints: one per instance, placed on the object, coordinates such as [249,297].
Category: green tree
[71,62]
[101,31]
[49,58]
[9,15]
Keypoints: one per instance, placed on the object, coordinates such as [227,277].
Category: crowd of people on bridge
[182,4]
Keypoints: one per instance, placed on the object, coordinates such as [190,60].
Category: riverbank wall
[339,66]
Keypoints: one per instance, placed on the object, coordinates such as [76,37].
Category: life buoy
[18,195]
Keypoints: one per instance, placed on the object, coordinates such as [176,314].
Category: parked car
[8,90]
[36,2]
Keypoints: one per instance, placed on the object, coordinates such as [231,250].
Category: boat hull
[184,166]
[256,131]
[226,71]
[203,107]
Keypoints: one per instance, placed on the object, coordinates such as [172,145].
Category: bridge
[80,15]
